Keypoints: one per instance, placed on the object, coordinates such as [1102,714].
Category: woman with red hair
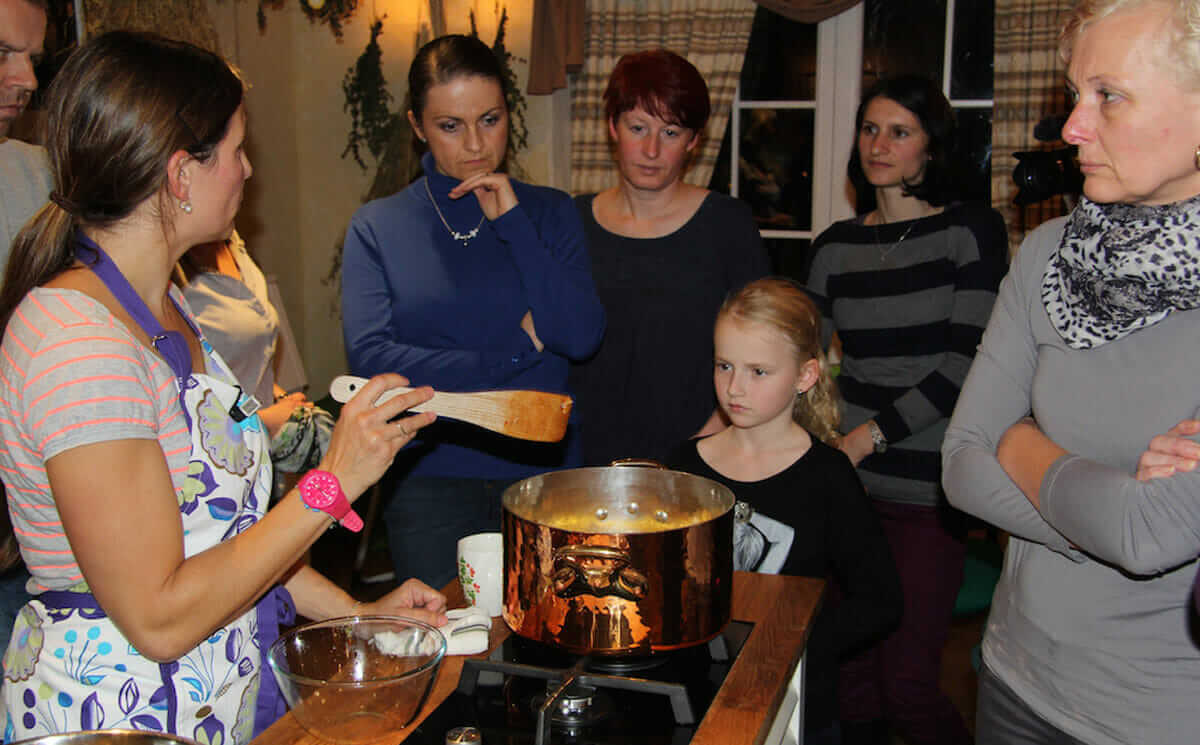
[664,255]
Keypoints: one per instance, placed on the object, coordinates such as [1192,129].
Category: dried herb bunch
[518,134]
[334,12]
[367,100]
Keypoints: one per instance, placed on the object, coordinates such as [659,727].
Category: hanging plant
[367,100]
[518,134]
[334,12]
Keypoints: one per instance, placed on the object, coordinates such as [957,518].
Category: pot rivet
[632,508]
[601,513]
[661,516]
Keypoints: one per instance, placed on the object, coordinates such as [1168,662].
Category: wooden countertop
[781,609]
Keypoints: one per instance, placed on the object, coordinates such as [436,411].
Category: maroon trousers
[898,679]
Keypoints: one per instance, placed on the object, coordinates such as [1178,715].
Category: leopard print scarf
[1122,267]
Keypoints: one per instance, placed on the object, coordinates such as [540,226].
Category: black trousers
[425,517]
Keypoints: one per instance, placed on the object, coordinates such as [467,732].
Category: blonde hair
[1182,53]
[780,304]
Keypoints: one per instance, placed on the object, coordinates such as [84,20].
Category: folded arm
[1143,524]
[373,346]
[997,393]
[556,274]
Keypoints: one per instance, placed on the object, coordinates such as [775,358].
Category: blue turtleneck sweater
[418,302]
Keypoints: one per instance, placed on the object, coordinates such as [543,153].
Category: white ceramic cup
[481,571]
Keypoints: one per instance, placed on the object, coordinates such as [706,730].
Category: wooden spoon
[525,415]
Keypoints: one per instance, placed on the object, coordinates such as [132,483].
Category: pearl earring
[186,206]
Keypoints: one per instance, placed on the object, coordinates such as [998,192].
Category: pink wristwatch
[322,492]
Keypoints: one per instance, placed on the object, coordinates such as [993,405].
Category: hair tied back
[66,205]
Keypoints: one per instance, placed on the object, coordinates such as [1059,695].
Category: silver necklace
[884,253]
[464,237]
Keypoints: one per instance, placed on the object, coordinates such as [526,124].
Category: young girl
[779,456]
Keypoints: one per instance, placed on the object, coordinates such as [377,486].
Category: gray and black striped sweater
[909,301]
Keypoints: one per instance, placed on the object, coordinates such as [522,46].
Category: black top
[838,537]
[650,384]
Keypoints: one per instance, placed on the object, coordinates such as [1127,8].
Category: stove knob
[463,736]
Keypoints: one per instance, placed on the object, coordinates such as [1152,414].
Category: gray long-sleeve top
[1094,639]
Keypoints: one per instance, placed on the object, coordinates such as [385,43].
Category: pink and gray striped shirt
[71,374]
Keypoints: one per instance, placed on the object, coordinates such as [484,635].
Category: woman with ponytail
[779,455]
[136,470]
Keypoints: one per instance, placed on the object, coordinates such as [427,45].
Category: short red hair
[662,83]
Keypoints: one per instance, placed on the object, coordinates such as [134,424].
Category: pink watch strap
[351,521]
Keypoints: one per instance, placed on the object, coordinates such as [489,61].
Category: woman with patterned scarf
[1092,349]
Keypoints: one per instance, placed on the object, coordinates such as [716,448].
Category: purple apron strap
[274,609]
[170,344]
[63,600]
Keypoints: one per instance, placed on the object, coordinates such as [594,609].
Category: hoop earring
[186,206]
[1196,161]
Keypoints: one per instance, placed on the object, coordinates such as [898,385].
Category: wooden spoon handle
[344,387]
[527,415]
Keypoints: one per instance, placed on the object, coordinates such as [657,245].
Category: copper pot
[618,559]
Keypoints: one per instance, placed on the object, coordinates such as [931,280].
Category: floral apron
[69,668]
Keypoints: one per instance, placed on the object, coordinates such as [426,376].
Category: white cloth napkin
[467,630]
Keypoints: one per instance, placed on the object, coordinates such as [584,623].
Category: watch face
[319,490]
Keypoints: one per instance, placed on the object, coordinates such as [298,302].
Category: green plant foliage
[387,135]
[334,12]
[518,134]
[367,100]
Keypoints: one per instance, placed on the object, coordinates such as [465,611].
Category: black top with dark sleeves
[838,537]
[650,384]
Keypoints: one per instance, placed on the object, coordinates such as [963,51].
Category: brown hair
[119,108]
[780,304]
[449,57]
[117,111]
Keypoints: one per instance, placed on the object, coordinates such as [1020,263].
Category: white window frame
[838,90]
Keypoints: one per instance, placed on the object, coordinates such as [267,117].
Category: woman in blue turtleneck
[465,280]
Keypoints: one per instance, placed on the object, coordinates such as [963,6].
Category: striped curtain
[1028,87]
[711,34]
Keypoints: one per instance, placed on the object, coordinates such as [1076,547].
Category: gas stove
[525,693]
[753,697]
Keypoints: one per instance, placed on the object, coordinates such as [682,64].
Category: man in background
[25,180]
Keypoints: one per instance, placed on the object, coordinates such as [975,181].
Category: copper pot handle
[637,463]
[572,578]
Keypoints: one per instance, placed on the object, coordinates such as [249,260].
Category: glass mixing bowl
[354,680]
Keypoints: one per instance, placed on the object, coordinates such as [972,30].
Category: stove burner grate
[574,708]
[526,693]
[681,705]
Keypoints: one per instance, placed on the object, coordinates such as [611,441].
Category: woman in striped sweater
[908,286]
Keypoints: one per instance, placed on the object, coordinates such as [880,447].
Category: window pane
[971,68]
[903,38]
[975,152]
[781,60]
[775,167]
